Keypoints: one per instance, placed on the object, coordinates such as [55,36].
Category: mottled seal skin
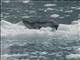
[39,24]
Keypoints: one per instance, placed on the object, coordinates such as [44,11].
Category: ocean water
[60,11]
[21,43]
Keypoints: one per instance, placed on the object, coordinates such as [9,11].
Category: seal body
[39,24]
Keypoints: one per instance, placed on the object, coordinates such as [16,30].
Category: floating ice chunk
[26,1]
[21,24]
[75,22]
[73,56]
[44,53]
[47,5]
[3,22]
[19,32]
[76,8]
[73,27]
[50,9]
[8,1]
[64,27]
[54,15]
[67,15]
[77,50]
[14,55]
[69,11]
[25,16]
[46,29]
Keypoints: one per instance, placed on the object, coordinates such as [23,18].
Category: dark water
[40,51]
[15,11]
